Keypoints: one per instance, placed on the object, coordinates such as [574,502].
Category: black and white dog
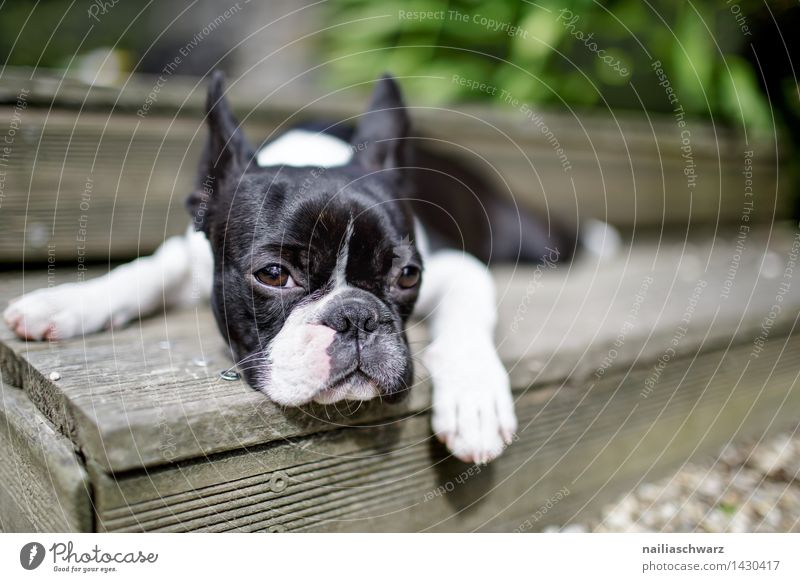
[312,250]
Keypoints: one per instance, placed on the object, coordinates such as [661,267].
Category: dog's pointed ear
[226,153]
[228,147]
[379,141]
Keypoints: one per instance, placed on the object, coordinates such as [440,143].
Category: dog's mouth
[356,385]
[302,365]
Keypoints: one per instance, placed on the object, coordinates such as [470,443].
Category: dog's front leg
[178,273]
[473,411]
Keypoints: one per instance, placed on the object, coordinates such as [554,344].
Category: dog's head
[315,269]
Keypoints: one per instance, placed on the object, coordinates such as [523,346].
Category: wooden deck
[622,371]
[84,160]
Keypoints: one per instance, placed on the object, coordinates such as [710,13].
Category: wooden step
[622,371]
[45,484]
[89,178]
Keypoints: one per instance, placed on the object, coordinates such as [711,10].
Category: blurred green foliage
[541,53]
[53,33]
[538,51]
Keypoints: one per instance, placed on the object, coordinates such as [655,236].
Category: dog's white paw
[59,312]
[473,411]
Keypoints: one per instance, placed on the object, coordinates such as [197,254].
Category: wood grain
[127,403]
[45,486]
[92,168]
[591,443]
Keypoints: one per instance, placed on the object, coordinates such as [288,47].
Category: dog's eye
[275,276]
[409,277]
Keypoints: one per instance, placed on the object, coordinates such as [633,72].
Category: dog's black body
[462,208]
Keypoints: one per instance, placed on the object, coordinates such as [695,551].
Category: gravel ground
[752,487]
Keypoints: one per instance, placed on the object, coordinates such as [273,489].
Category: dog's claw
[508,436]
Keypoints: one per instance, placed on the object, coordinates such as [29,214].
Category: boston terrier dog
[315,250]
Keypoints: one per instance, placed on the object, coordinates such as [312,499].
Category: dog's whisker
[247,358]
[252,366]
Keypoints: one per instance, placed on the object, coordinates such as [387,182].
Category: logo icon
[31,555]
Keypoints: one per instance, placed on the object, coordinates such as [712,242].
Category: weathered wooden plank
[587,443]
[127,403]
[85,172]
[44,485]
[587,319]
[90,185]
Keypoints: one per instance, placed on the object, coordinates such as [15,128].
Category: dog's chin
[356,386]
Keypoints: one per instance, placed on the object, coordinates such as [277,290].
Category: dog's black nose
[356,315]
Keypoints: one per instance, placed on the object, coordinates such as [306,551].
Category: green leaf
[542,33]
[693,55]
[740,96]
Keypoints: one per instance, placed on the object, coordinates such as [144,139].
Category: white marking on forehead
[299,147]
[340,271]
[421,238]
